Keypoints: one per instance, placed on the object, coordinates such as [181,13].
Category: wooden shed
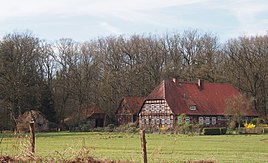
[41,123]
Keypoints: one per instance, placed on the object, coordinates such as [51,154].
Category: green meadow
[124,146]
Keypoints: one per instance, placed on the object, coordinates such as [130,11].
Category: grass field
[160,148]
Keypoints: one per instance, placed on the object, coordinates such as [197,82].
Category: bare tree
[237,107]
[19,75]
[246,67]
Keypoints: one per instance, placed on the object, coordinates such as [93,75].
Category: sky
[84,20]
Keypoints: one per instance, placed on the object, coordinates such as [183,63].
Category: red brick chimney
[174,80]
[200,84]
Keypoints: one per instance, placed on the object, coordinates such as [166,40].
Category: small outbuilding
[128,110]
[41,122]
[91,115]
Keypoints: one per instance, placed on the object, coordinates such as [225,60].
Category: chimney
[174,80]
[200,84]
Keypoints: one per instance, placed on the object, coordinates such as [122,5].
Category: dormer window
[193,107]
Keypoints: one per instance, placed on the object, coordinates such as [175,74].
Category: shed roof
[85,112]
[132,103]
[211,100]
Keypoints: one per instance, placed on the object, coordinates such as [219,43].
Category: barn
[90,114]
[41,123]
[128,109]
[200,102]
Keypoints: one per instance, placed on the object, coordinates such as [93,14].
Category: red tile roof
[211,100]
[86,112]
[132,103]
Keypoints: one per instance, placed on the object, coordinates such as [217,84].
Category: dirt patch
[6,159]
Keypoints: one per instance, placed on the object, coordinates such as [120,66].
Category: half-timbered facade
[156,113]
[200,103]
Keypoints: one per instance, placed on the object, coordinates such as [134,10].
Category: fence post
[143,146]
[32,136]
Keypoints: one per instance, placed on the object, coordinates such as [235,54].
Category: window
[193,107]
[163,121]
[157,121]
[142,120]
[168,120]
[187,119]
[147,120]
[201,120]
[179,120]
[157,105]
[152,121]
[147,107]
[207,120]
[214,120]
[221,118]
[157,109]
[163,109]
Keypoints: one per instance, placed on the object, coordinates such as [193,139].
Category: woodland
[64,76]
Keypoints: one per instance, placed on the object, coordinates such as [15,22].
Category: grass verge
[160,148]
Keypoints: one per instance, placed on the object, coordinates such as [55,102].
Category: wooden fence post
[143,146]
[32,136]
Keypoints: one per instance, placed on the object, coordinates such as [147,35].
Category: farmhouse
[201,103]
[128,110]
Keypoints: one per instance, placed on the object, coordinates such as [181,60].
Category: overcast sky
[88,19]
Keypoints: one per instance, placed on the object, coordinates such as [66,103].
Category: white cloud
[119,8]
[248,16]
[246,13]
[110,28]
[152,13]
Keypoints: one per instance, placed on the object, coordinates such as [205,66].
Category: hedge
[214,131]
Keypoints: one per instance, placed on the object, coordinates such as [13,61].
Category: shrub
[257,121]
[197,129]
[80,128]
[214,131]
[249,125]
[109,128]
[163,130]
[53,126]
[232,125]
[84,127]
[263,125]
[186,128]
[98,129]
[128,128]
